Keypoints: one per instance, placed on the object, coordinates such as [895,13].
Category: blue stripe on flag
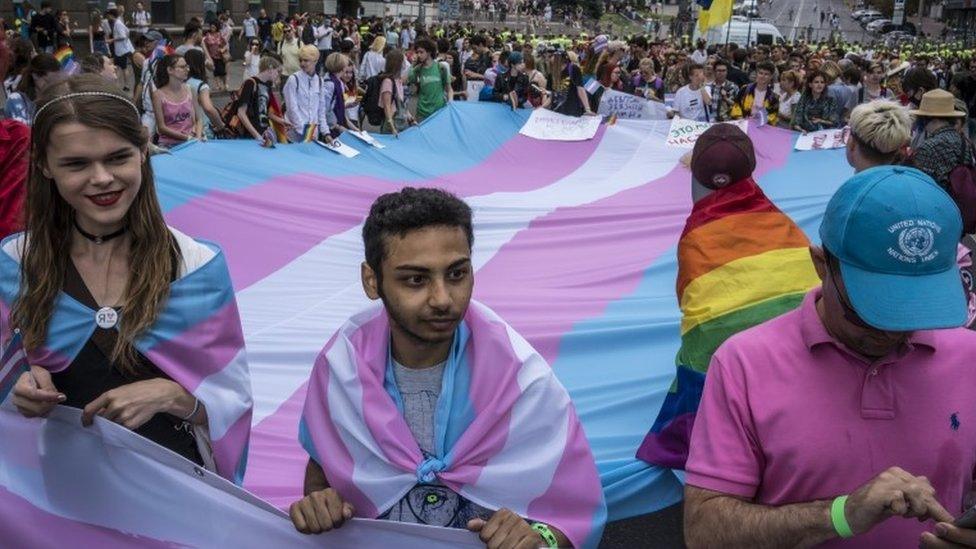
[496,126]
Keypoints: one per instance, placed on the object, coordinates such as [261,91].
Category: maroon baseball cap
[722,155]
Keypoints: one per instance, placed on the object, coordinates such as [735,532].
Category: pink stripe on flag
[276,461]
[498,366]
[316,418]
[313,207]
[387,426]
[202,350]
[228,449]
[23,525]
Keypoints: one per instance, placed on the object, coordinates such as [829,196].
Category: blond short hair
[268,63]
[335,62]
[883,125]
[308,52]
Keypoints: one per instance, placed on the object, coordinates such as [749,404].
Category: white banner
[684,132]
[62,484]
[823,140]
[551,126]
[631,107]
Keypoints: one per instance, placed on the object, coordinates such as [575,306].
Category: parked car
[857,14]
[877,24]
[906,28]
[895,39]
[868,15]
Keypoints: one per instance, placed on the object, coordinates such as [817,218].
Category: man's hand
[320,511]
[36,396]
[134,404]
[894,492]
[506,530]
[946,535]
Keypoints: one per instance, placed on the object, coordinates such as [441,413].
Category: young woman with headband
[120,315]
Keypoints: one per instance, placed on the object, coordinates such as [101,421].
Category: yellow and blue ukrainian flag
[713,13]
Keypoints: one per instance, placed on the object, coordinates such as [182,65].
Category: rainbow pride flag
[741,262]
[310,133]
[275,108]
[163,48]
[66,57]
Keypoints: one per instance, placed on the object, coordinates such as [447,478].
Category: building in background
[960,15]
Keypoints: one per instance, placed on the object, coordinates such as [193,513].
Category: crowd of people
[74,174]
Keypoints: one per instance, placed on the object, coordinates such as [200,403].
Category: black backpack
[371,100]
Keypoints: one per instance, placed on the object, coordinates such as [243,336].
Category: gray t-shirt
[433,504]
[420,389]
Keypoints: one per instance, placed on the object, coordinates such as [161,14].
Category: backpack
[962,189]
[371,100]
[233,128]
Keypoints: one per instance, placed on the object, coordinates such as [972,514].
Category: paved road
[795,17]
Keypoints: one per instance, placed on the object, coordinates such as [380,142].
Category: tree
[591,8]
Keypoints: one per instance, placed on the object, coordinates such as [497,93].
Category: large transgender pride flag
[574,247]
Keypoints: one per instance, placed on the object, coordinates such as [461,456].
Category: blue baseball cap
[895,234]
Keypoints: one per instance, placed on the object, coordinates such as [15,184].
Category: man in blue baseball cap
[855,411]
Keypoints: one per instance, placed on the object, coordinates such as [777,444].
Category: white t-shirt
[122,43]
[786,103]
[250,27]
[323,36]
[142,20]
[689,104]
[759,100]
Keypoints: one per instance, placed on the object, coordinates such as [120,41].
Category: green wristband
[839,519]
[546,533]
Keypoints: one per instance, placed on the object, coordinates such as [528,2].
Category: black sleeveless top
[92,374]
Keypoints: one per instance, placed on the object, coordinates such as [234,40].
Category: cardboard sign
[684,132]
[366,138]
[340,148]
[551,126]
[631,107]
[823,140]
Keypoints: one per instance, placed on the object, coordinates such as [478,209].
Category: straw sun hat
[938,104]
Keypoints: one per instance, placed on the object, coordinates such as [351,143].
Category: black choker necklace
[99,239]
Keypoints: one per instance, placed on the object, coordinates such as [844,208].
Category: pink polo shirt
[789,415]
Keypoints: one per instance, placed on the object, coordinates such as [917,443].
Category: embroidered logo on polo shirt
[954,421]
[916,238]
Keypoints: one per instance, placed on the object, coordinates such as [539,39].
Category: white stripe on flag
[9,367]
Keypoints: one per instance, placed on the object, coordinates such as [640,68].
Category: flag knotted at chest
[506,434]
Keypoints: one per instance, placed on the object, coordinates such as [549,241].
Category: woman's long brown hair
[153,252]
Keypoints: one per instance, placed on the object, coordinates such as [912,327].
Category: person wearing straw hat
[942,145]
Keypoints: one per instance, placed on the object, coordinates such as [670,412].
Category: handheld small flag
[762,117]
[162,50]
[311,131]
[66,57]
[13,362]
[592,86]
[275,108]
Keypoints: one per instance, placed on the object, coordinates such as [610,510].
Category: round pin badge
[106,318]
